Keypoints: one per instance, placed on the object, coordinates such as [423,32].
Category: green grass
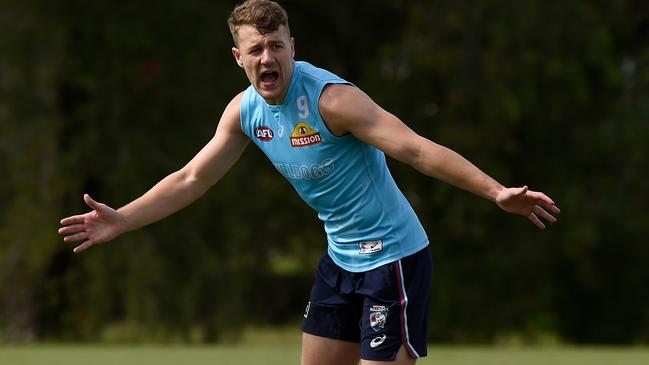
[289,354]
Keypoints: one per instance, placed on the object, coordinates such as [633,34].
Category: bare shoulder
[343,105]
[335,96]
[236,101]
[231,118]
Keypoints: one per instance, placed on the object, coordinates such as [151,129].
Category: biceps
[349,109]
[215,159]
[389,134]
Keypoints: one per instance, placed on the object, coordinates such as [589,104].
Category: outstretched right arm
[171,194]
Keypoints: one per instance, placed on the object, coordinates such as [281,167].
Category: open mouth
[269,77]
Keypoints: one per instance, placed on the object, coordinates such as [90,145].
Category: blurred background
[108,97]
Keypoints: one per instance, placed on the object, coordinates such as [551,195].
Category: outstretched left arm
[346,109]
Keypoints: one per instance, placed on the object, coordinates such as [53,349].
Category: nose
[266,56]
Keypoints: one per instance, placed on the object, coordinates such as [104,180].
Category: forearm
[171,194]
[447,165]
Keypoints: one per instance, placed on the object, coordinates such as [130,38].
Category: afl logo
[264,133]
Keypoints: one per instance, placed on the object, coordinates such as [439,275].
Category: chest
[291,133]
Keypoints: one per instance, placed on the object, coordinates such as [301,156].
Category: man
[370,297]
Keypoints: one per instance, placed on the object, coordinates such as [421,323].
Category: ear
[237,56]
[293,47]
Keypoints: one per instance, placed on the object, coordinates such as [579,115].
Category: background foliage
[108,97]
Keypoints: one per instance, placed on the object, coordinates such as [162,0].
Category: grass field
[289,354]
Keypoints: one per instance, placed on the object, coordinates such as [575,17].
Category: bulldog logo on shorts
[378,316]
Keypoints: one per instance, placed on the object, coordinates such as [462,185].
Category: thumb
[91,203]
[520,191]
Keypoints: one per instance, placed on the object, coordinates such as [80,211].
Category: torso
[367,219]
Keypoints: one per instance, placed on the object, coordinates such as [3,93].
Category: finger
[84,246]
[543,214]
[76,237]
[546,198]
[548,205]
[72,220]
[536,220]
[75,228]
[554,209]
[545,201]
[91,202]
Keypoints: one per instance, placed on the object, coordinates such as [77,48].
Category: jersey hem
[381,262]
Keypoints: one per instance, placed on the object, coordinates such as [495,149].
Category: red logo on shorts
[264,133]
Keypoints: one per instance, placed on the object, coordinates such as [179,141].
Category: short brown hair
[265,15]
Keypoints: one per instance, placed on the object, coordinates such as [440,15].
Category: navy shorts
[381,309]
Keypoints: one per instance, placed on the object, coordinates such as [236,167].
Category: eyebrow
[269,41]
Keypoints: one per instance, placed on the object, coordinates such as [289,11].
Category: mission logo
[264,133]
[303,135]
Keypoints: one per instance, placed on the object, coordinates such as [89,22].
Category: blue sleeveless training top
[367,219]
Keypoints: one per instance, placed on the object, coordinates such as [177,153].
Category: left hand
[530,204]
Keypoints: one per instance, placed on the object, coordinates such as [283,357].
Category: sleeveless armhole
[243,112]
[319,91]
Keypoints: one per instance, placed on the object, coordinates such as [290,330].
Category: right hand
[100,225]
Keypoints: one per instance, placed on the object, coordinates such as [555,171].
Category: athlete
[371,291]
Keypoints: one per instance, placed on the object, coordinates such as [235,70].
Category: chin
[268,95]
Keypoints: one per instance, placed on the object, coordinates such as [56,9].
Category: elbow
[191,181]
[184,176]
[426,157]
[412,154]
